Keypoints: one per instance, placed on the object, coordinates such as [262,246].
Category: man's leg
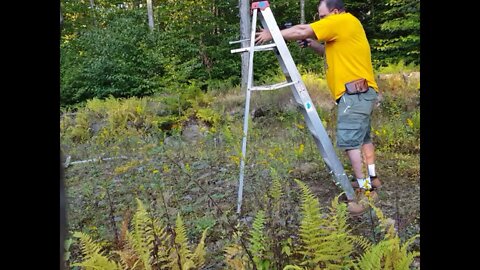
[368,150]
[353,114]
[355,157]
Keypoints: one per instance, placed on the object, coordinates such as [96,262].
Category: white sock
[371,170]
[364,183]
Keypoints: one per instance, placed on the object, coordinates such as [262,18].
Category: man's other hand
[262,36]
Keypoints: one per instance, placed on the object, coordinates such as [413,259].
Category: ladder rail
[246,112]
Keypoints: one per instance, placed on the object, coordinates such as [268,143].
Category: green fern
[93,256]
[148,236]
[275,190]
[258,241]
[142,238]
[80,132]
[208,116]
[199,253]
[326,240]
[147,246]
[339,238]
[181,258]
[235,256]
[372,259]
[362,242]
[311,227]
[388,253]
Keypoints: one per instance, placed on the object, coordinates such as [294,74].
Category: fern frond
[128,258]
[406,261]
[181,238]
[407,257]
[257,237]
[340,239]
[311,225]
[94,258]
[97,261]
[258,243]
[389,253]
[362,242]
[372,259]
[409,242]
[162,243]
[326,239]
[87,245]
[199,254]
[181,256]
[275,190]
[235,257]
[142,238]
[392,254]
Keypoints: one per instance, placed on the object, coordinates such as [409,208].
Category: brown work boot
[355,209]
[374,181]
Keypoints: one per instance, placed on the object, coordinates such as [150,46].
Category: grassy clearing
[176,156]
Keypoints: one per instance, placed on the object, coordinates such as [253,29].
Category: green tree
[400,33]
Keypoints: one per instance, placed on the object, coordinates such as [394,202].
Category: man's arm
[299,31]
[318,47]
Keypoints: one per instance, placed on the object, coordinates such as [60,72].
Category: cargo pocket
[350,134]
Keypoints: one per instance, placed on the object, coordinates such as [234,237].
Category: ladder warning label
[308,106]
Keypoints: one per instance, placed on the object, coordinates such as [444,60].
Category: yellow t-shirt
[347,51]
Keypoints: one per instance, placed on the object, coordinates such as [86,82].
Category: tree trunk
[302,11]
[150,14]
[92,7]
[244,9]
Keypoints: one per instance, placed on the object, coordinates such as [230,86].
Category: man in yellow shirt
[348,65]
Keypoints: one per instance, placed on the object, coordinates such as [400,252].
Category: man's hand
[379,99]
[262,36]
[313,44]
[304,42]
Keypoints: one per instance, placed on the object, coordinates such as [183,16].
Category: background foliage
[109,49]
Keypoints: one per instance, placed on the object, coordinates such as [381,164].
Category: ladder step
[272,87]
[238,41]
[267,47]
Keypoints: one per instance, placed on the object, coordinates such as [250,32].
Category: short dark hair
[331,4]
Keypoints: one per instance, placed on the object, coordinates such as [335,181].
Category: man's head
[327,7]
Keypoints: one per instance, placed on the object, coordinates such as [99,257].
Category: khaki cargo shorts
[354,119]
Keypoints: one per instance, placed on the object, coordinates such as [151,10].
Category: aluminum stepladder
[300,93]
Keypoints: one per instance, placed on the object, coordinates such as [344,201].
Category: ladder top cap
[262,5]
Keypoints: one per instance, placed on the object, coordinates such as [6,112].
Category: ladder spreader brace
[300,93]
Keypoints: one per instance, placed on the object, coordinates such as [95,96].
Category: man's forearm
[299,31]
[318,47]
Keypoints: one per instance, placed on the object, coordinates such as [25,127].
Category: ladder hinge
[262,5]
